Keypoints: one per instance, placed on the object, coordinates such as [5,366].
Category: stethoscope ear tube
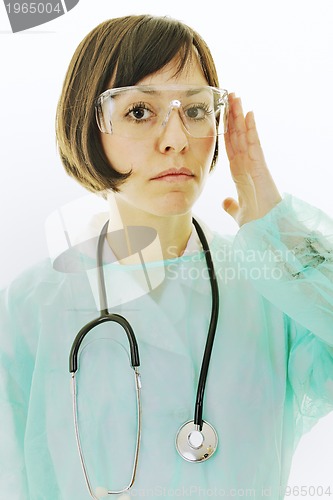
[116,318]
[104,317]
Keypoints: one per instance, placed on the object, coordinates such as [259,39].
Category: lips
[174,173]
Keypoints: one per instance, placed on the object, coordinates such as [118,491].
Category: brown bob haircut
[125,49]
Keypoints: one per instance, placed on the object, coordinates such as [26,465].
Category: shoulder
[35,300]
[37,288]
[20,305]
[32,284]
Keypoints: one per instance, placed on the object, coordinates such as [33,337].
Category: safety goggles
[140,111]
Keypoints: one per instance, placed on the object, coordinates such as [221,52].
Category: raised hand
[256,190]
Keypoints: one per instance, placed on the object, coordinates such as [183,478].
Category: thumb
[231,207]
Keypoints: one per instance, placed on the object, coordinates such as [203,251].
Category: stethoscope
[196,440]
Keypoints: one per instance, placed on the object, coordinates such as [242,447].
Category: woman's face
[169,167]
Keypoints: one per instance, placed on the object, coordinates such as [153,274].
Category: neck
[173,231]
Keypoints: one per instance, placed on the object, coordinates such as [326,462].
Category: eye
[197,111]
[139,112]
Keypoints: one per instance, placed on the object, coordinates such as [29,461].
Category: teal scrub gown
[270,378]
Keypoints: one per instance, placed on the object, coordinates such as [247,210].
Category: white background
[278,56]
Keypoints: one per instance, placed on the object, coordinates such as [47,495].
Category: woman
[138,122]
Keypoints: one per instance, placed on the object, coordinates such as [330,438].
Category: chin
[173,210]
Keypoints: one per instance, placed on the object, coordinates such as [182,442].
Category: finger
[235,138]
[228,146]
[238,129]
[265,187]
[231,206]
[254,147]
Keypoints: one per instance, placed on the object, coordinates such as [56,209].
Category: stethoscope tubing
[211,330]
[106,316]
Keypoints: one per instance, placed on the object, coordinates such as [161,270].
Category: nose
[173,136]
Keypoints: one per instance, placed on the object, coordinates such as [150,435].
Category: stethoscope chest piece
[194,445]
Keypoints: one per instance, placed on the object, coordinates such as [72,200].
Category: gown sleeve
[288,256]
[18,345]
